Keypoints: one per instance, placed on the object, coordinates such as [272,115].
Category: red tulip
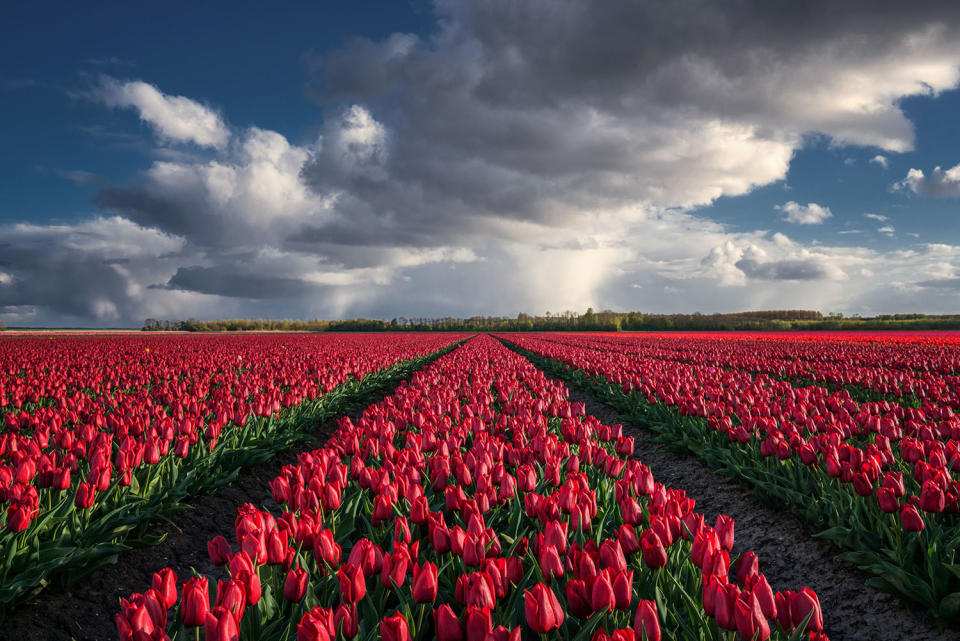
[910,518]
[724,528]
[220,625]
[232,596]
[804,603]
[542,609]
[888,500]
[652,550]
[479,623]
[601,593]
[165,583]
[316,625]
[447,624]
[747,567]
[932,498]
[195,603]
[219,550]
[646,624]
[611,555]
[353,585]
[86,494]
[295,585]
[751,623]
[424,588]
[578,598]
[394,628]
[623,589]
[550,564]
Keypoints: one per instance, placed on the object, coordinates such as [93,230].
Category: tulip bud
[601,594]
[353,585]
[652,550]
[165,583]
[424,588]
[195,603]
[447,624]
[542,609]
[646,624]
[394,628]
[295,585]
[910,518]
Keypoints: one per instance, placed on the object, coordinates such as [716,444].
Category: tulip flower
[804,603]
[550,563]
[579,598]
[446,624]
[542,609]
[232,595]
[646,624]
[195,603]
[295,585]
[910,518]
[86,494]
[220,625]
[165,583]
[353,585]
[479,624]
[345,620]
[724,528]
[394,628]
[652,550]
[888,500]
[424,588]
[316,625]
[601,593]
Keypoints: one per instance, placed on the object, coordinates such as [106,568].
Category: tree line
[569,321]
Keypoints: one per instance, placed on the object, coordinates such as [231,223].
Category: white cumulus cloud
[173,118]
[809,214]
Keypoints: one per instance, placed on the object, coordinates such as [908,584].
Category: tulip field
[882,460]
[474,503]
[475,500]
[102,435]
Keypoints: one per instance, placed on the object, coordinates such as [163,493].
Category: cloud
[939,184]
[173,118]
[880,160]
[535,156]
[783,269]
[941,283]
[809,214]
[887,229]
[875,217]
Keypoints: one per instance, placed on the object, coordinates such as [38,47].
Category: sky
[423,159]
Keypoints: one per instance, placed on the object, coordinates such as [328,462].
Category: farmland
[485,487]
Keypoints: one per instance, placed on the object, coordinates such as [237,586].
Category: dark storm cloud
[150,209]
[941,283]
[64,282]
[783,269]
[547,110]
[228,281]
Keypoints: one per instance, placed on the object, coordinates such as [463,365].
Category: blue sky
[419,159]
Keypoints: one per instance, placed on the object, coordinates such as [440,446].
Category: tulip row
[477,503]
[103,435]
[880,473]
